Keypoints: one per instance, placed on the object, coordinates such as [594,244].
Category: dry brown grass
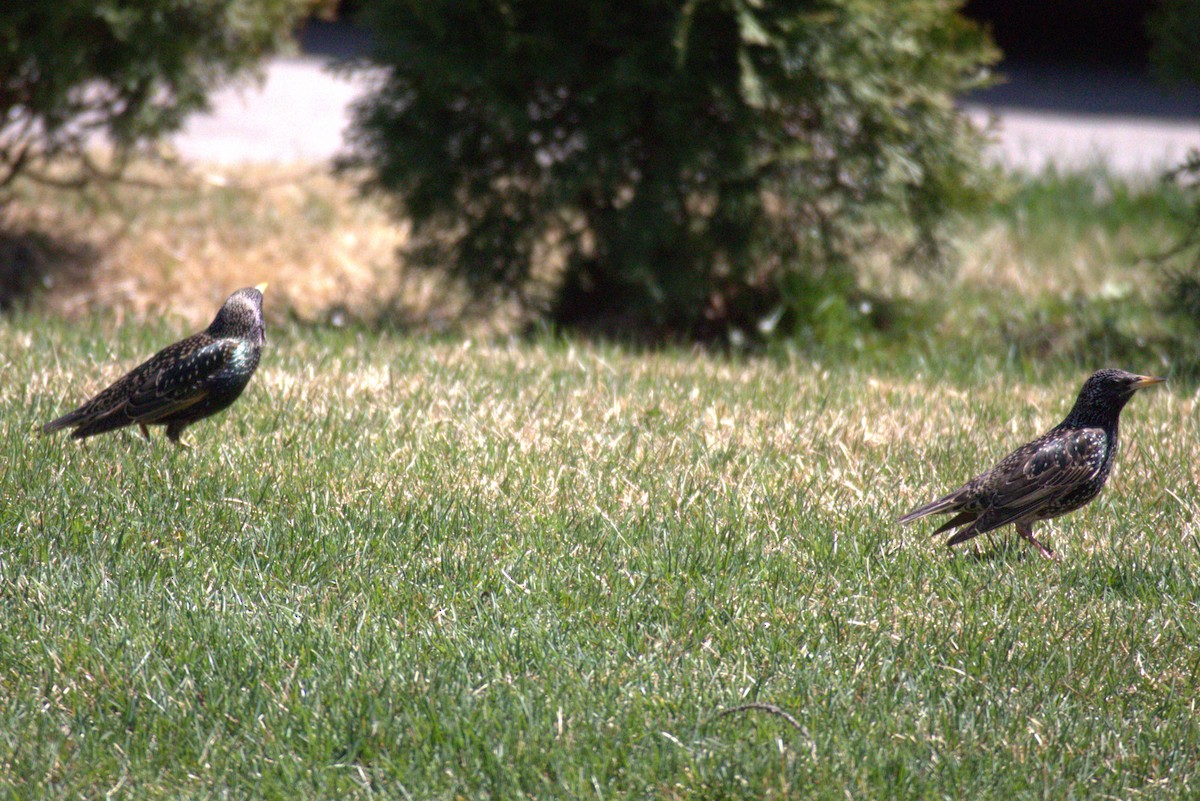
[177,242]
[174,242]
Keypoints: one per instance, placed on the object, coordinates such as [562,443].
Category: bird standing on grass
[185,382]
[1058,472]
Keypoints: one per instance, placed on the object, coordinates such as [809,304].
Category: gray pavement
[1076,117]
[297,114]
[1042,115]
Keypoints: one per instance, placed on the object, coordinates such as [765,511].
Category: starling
[1058,472]
[185,382]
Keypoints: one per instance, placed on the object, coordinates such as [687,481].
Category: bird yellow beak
[261,287]
[1147,381]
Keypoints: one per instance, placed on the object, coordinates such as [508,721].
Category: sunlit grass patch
[482,567]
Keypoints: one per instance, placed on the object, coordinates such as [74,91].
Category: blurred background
[830,175]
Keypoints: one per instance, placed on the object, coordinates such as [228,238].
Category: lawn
[408,565]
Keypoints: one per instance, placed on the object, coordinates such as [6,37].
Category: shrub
[75,73]
[692,165]
[1174,30]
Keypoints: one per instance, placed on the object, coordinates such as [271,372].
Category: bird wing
[1051,466]
[179,384]
[112,400]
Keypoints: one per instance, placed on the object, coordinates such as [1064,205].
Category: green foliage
[1174,30]
[1175,56]
[75,72]
[677,165]
[1182,261]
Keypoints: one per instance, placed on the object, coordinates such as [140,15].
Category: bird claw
[1026,531]
[1042,549]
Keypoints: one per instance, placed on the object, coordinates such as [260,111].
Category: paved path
[1075,117]
[298,114]
[1069,117]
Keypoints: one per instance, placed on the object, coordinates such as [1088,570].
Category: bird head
[1106,392]
[241,316]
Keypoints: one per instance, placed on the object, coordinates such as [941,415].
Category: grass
[414,568]
[454,565]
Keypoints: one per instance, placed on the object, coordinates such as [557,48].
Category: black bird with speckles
[185,382]
[1058,472]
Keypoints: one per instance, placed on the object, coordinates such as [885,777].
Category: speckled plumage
[184,382]
[1058,472]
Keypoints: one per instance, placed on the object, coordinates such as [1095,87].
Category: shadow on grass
[995,547]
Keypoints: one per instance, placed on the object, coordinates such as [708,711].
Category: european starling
[1058,472]
[185,382]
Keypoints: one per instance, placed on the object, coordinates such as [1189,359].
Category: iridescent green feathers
[1058,472]
[184,382]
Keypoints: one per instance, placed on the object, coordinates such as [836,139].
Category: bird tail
[947,503]
[92,426]
[963,534]
[960,519]
[87,421]
[66,421]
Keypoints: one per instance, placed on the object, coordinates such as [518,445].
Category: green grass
[1062,268]
[413,568]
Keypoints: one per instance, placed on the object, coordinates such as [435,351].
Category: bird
[1059,472]
[184,382]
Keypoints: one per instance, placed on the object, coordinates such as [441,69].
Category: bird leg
[1026,531]
[175,434]
[145,431]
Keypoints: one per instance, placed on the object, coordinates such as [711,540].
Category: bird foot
[1026,531]
[1047,553]
[183,444]
[1042,549]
